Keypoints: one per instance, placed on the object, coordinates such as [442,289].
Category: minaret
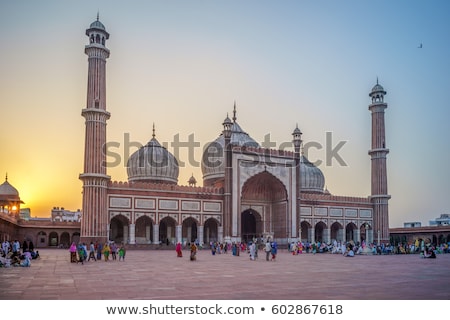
[297,142]
[228,184]
[379,194]
[94,222]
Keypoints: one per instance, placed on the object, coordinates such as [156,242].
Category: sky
[181,65]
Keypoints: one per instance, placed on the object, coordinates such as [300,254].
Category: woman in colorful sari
[178,250]
[106,251]
[193,252]
[73,252]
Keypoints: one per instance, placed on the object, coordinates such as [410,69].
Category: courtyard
[160,275]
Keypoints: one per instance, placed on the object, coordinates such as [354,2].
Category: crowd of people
[347,248]
[14,254]
[351,248]
[108,251]
[236,248]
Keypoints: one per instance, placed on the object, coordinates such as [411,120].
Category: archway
[318,232]
[118,229]
[210,231]
[266,191]
[64,240]
[189,231]
[364,232]
[251,226]
[336,232]
[350,232]
[167,230]
[144,230]
[41,239]
[76,237]
[53,239]
[305,234]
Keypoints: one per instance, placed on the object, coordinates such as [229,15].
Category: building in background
[443,220]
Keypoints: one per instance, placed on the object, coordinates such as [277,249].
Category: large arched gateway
[264,208]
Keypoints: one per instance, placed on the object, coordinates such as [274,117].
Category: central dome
[153,163]
[213,165]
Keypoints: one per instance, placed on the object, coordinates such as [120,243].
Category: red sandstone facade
[249,191]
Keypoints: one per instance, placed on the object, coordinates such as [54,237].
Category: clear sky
[182,64]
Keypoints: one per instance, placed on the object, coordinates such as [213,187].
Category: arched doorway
[336,232]
[210,231]
[167,230]
[189,230]
[118,230]
[53,239]
[264,190]
[364,232]
[350,232]
[76,237]
[144,230]
[41,239]
[318,232]
[305,227]
[64,241]
[251,226]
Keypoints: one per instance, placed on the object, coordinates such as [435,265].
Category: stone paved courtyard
[160,275]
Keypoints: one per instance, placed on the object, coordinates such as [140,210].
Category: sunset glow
[182,65]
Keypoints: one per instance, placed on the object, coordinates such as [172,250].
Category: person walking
[179,250]
[113,249]
[268,250]
[92,252]
[274,250]
[252,250]
[106,251]
[73,252]
[122,253]
[99,248]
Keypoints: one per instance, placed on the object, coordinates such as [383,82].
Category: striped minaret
[379,195]
[94,222]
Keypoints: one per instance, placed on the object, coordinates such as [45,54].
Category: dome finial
[234,111]
[153,134]
[98,15]
[6,177]
[377,79]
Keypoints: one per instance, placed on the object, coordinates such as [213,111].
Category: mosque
[248,191]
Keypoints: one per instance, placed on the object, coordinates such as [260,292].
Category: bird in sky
[420,46]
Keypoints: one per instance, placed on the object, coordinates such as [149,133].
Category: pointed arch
[144,230]
[118,230]
[267,193]
[264,186]
[189,230]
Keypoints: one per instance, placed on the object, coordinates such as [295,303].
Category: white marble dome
[213,165]
[7,190]
[311,177]
[153,163]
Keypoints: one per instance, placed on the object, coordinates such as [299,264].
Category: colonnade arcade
[167,231]
[321,231]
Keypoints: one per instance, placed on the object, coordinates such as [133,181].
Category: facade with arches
[248,191]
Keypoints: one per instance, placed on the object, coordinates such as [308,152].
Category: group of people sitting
[12,256]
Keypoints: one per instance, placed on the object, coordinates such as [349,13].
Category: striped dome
[153,163]
[311,177]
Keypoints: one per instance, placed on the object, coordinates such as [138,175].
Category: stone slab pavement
[160,275]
